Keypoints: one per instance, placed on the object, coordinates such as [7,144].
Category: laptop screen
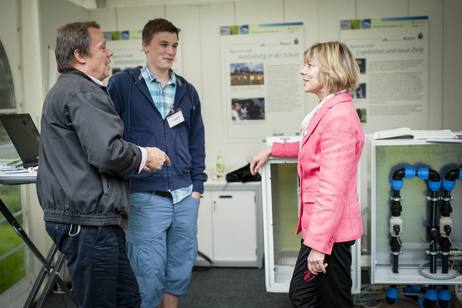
[24,135]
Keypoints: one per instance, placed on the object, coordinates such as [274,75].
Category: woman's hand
[316,262]
[259,160]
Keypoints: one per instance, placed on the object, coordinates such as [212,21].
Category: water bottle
[220,165]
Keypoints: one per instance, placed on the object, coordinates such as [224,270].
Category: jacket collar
[82,74]
[337,99]
[140,83]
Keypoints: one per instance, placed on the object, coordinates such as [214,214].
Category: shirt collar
[150,77]
[328,97]
[98,82]
[310,115]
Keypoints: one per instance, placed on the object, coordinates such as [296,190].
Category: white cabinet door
[204,226]
[234,230]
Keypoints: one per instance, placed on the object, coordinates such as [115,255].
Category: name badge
[175,118]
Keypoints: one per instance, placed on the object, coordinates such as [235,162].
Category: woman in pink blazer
[328,155]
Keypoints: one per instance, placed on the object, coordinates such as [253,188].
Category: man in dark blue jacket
[161,109]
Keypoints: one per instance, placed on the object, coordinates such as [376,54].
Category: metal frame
[51,265]
[382,273]
[270,270]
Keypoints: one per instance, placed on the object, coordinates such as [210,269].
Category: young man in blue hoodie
[161,109]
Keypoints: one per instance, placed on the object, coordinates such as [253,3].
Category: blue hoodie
[144,126]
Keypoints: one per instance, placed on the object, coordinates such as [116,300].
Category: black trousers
[97,261]
[332,289]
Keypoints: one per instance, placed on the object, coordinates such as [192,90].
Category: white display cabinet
[386,157]
[230,224]
[280,213]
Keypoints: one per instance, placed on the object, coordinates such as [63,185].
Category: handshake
[155,160]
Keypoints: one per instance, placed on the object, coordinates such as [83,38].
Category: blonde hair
[338,69]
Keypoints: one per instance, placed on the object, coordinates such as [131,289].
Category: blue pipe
[434,185]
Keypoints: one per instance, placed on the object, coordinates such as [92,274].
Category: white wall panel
[380,8]
[452,65]
[105,17]
[134,18]
[330,13]
[33,101]
[212,17]
[14,296]
[187,19]
[10,41]
[307,12]
[257,12]
[50,21]
[434,10]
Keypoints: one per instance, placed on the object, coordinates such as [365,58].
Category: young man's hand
[195,195]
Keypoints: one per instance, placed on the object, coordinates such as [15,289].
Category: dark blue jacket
[144,126]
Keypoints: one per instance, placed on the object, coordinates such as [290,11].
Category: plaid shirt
[163,98]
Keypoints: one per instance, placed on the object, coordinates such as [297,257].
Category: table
[52,264]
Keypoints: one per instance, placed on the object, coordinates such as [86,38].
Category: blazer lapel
[339,98]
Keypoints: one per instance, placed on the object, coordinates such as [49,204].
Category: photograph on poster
[234,30]
[362,114]
[345,24]
[355,24]
[225,30]
[360,91]
[107,35]
[255,62]
[362,65]
[246,74]
[366,23]
[247,109]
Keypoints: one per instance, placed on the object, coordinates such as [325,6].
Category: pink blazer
[328,168]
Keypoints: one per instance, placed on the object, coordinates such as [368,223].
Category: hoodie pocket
[183,155]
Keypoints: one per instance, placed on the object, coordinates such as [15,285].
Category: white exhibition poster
[52,68]
[127,51]
[262,88]
[392,54]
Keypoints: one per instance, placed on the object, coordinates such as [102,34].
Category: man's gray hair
[71,37]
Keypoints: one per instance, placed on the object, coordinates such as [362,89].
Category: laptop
[24,135]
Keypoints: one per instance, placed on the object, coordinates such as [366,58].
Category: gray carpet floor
[238,288]
[217,288]
[232,288]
